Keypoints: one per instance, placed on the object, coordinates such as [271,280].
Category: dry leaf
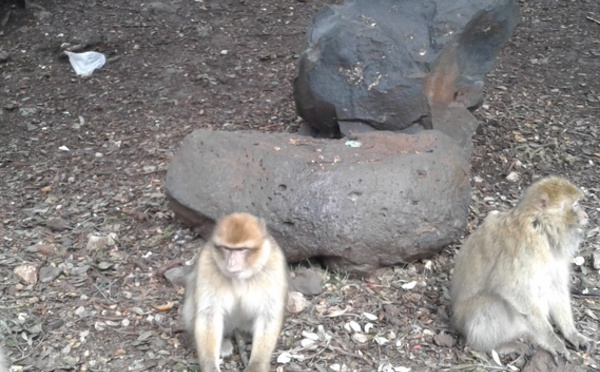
[496,357]
[409,285]
[352,326]
[284,358]
[310,335]
[360,338]
[369,316]
[168,306]
[381,340]
[44,249]
[336,311]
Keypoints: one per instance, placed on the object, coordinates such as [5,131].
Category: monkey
[511,276]
[239,281]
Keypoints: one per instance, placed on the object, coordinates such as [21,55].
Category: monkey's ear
[543,201]
[263,224]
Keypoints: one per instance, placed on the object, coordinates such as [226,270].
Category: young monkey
[240,281]
[511,276]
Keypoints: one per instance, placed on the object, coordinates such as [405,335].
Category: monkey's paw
[556,356]
[590,347]
[579,342]
[226,348]
[558,352]
[258,367]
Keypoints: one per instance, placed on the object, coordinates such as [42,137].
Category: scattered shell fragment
[97,242]
[27,273]
[409,285]
[296,303]
[360,338]
[513,177]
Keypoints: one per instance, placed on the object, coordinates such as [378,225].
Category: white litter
[85,63]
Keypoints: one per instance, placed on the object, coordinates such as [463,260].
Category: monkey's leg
[189,303]
[264,339]
[542,333]
[514,347]
[489,322]
[561,313]
[208,334]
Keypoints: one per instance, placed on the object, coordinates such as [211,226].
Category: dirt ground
[88,156]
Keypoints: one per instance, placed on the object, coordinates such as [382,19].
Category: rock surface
[308,282]
[394,198]
[400,65]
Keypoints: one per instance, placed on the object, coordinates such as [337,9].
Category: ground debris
[107,307]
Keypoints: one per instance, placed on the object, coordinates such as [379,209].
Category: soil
[85,157]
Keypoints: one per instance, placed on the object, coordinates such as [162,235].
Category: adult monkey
[512,275]
[240,282]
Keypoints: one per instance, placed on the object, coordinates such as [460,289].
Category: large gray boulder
[400,65]
[395,198]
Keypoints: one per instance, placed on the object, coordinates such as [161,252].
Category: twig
[5,18]
[592,19]
[339,350]
[171,265]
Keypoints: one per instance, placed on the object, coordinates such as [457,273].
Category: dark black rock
[383,64]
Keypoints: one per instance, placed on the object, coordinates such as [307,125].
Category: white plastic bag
[85,63]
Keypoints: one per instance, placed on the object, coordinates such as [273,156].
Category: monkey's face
[557,200]
[233,261]
[579,214]
[239,245]
[570,215]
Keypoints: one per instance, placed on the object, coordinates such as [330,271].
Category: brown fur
[218,301]
[512,274]
[240,230]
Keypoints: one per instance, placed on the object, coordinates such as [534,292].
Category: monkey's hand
[557,350]
[556,356]
[579,342]
[258,367]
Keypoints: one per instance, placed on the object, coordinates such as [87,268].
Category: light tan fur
[512,275]
[222,295]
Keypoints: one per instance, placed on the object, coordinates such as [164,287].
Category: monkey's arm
[208,334]
[264,340]
[541,331]
[561,313]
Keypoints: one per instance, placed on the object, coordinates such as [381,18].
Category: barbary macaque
[240,281]
[512,275]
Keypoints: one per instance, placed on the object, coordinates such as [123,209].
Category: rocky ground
[85,158]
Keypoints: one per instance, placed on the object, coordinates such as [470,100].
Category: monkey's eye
[576,204]
[222,248]
[229,249]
